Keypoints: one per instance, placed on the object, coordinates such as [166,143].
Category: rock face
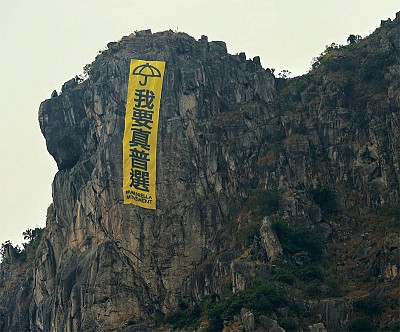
[124,261]
[226,126]
[14,308]
[270,241]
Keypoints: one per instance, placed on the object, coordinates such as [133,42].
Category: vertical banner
[140,134]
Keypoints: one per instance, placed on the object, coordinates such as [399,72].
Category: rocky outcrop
[270,241]
[113,249]
[247,318]
[16,284]
[226,126]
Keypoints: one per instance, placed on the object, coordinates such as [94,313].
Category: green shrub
[247,233]
[361,324]
[285,275]
[265,201]
[185,317]
[367,305]
[335,283]
[393,213]
[299,239]
[15,252]
[395,326]
[326,56]
[216,324]
[28,251]
[159,316]
[289,324]
[374,66]
[325,198]
[305,252]
[301,85]
[311,273]
[262,298]
[341,62]
[314,289]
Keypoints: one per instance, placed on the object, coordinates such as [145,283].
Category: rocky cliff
[245,161]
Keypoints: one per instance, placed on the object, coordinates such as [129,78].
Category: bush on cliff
[263,298]
[295,240]
[325,198]
[265,201]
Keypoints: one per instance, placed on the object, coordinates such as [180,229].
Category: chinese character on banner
[141,130]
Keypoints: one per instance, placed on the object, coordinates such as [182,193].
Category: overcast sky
[43,43]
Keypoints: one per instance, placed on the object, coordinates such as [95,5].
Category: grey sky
[43,43]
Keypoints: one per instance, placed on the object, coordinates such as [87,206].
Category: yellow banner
[140,135]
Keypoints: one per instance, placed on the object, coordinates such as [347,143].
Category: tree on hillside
[352,39]
[32,235]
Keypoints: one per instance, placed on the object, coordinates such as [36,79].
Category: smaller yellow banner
[141,130]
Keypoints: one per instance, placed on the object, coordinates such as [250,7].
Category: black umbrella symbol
[146,71]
